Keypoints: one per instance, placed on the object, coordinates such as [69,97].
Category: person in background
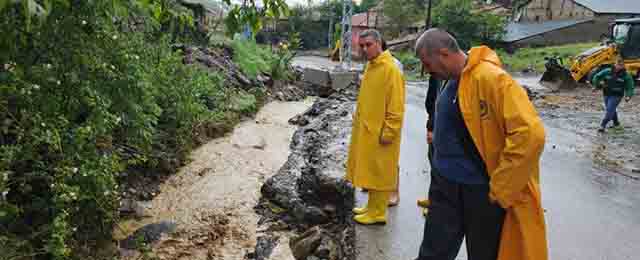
[616,83]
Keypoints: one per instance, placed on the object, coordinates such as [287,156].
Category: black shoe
[601,130]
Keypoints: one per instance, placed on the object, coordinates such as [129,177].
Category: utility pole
[330,36]
[427,23]
[345,49]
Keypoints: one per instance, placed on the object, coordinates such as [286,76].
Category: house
[554,22]
[374,18]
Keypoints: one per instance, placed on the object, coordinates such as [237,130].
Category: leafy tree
[90,90]
[249,14]
[401,14]
[469,28]
[365,5]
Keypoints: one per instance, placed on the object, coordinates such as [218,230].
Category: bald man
[487,143]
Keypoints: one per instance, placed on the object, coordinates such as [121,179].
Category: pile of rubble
[308,195]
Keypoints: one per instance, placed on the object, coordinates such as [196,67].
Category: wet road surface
[591,213]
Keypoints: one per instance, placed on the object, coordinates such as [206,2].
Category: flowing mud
[211,199]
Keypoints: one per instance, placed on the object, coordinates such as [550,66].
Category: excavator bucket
[557,77]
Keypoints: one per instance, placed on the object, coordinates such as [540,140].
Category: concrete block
[342,80]
[316,77]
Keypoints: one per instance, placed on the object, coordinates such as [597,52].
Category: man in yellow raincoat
[375,138]
[488,139]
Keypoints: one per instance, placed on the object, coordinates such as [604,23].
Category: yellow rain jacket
[510,137]
[378,115]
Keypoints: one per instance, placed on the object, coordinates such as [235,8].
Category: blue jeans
[611,104]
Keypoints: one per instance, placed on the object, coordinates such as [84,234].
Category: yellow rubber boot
[377,209]
[424,203]
[360,211]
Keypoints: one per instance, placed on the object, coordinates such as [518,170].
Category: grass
[533,58]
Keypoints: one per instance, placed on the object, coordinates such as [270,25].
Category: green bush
[83,99]
[251,57]
[255,59]
[410,63]
[533,58]
[469,28]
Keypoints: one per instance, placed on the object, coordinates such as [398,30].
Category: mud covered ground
[581,111]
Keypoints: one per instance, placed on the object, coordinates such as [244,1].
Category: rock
[138,208]
[299,120]
[264,247]
[330,209]
[328,249]
[342,80]
[306,244]
[315,215]
[317,77]
[262,143]
[142,209]
[148,234]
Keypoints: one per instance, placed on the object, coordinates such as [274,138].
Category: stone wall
[548,10]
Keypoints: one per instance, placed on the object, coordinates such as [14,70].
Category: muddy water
[212,198]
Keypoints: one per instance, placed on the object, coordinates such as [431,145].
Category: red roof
[359,19]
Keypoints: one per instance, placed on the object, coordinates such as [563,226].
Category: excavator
[624,42]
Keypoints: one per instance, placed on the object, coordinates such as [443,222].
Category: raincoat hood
[385,55]
[480,54]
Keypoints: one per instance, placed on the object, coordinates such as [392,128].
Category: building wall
[585,32]
[545,10]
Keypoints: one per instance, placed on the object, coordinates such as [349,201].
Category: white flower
[52,185]
[73,195]
[36,86]
[106,193]
[118,119]
[58,82]
[113,67]
[48,65]
[84,22]
[43,124]
[74,170]
[115,37]
[136,57]
[74,229]
[126,56]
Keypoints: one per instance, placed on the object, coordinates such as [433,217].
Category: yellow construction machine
[624,42]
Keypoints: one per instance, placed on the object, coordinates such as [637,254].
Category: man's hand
[429,137]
